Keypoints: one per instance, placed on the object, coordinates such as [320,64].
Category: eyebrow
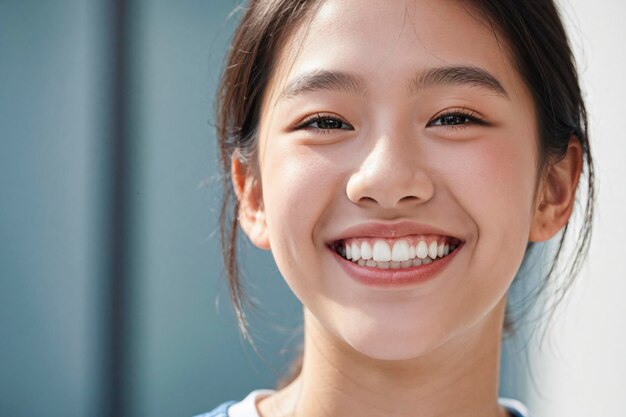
[324,80]
[457,75]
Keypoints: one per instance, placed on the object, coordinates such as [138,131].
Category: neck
[459,378]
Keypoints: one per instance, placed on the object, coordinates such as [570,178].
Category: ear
[251,213]
[557,192]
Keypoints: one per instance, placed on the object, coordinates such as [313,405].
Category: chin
[391,343]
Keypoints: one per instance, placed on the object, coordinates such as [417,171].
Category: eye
[457,119]
[323,123]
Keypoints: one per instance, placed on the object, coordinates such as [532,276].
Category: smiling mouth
[400,253]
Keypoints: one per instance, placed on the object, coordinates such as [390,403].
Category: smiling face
[395,127]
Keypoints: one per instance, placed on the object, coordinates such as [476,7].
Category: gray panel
[49,97]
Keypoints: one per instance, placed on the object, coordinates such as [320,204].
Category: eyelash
[306,123]
[470,118]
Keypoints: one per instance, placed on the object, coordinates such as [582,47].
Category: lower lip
[394,278]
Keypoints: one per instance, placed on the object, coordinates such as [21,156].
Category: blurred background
[112,297]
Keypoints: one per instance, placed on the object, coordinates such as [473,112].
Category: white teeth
[356,252]
[400,251]
[381,251]
[401,254]
[432,250]
[421,250]
[366,250]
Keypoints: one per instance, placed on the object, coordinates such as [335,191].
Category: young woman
[399,158]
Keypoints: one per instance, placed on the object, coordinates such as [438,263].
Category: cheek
[299,185]
[507,172]
[494,182]
[497,178]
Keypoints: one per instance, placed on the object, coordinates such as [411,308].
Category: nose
[391,176]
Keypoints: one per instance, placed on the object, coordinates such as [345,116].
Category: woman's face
[391,123]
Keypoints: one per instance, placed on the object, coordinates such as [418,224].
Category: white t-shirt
[247,406]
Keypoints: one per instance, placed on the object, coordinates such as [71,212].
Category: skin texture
[432,349]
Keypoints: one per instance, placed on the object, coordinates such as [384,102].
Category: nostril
[368,200]
[409,199]
[404,187]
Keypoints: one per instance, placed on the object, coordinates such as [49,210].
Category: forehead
[387,41]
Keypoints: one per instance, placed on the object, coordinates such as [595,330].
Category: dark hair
[536,41]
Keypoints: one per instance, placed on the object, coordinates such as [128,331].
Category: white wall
[580,368]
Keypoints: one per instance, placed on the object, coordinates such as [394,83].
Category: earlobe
[251,212]
[557,194]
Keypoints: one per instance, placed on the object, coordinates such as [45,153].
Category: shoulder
[219,411]
[247,407]
[514,407]
[243,408]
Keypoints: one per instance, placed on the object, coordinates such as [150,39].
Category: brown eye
[328,123]
[456,119]
[453,119]
[320,122]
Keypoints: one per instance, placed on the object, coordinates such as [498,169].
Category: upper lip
[392,230]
